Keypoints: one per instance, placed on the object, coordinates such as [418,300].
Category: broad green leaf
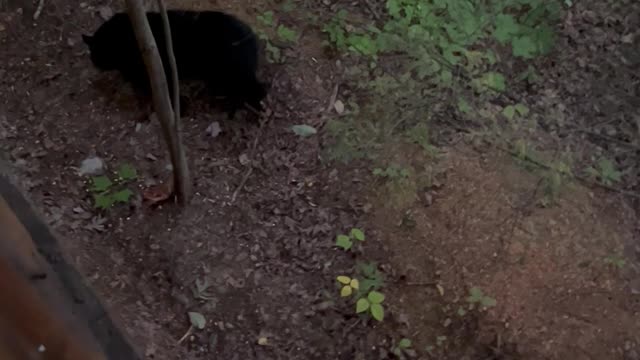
[122,196]
[101,183]
[127,172]
[304,130]
[357,234]
[463,106]
[362,305]
[377,311]
[506,28]
[197,320]
[522,109]
[103,201]
[494,81]
[345,280]
[266,18]
[404,343]
[344,242]
[346,291]
[509,112]
[488,301]
[475,294]
[524,46]
[287,34]
[375,297]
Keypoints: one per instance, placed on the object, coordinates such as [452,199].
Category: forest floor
[254,253]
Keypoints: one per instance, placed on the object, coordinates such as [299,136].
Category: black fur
[211,46]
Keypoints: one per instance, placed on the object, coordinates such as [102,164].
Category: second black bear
[211,46]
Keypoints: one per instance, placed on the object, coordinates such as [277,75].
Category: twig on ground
[373,10]
[36,14]
[250,170]
[332,99]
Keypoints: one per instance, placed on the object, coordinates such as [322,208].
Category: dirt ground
[264,247]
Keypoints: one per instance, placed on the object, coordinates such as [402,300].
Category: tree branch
[169,121]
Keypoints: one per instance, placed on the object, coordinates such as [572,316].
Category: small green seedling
[198,322]
[403,346]
[476,297]
[606,171]
[372,278]
[107,193]
[373,304]
[615,260]
[348,284]
[346,241]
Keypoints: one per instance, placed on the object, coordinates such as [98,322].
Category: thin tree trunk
[169,120]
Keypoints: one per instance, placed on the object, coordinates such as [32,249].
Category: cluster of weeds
[107,192]
[365,286]
[434,47]
[276,35]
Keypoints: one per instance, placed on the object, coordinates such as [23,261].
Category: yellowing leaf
[344,279]
[346,291]
[355,284]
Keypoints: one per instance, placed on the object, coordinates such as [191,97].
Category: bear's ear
[87,39]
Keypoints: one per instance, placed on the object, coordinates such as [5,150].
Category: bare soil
[264,246]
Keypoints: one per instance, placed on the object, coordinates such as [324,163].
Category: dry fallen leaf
[339,106]
[156,194]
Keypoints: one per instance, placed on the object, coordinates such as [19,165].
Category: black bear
[211,46]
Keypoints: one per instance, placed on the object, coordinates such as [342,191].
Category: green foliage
[373,303]
[605,171]
[372,278]
[286,34]
[268,24]
[346,241]
[392,172]
[477,297]
[197,320]
[616,261]
[107,193]
[429,42]
[404,345]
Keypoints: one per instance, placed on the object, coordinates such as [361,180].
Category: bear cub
[210,46]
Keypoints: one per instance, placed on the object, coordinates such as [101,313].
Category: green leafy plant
[287,34]
[371,277]
[403,346]
[478,298]
[107,192]
[606,171]
[392,172]
[268,24]
[373,304]
[346,241]
[615,260]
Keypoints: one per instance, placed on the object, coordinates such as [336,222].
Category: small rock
[339,106]
[2,27]
[214,129]
[91,166]
[244,159]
